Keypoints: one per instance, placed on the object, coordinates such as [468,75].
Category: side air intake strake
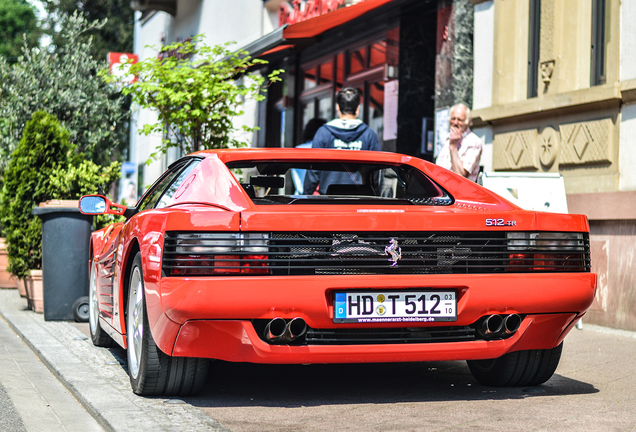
[243,254]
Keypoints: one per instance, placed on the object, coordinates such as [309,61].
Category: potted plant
[7,280]
[44,166]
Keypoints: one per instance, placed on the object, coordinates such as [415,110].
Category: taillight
[216,254]
[545,251]
[218,265]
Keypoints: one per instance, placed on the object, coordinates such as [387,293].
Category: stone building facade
[555,91]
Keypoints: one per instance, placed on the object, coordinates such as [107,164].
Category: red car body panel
[211,316]
[229,340]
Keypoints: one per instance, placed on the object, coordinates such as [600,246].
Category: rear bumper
[238,341]
[210,317]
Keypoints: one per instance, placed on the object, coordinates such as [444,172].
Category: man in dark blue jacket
[347,132]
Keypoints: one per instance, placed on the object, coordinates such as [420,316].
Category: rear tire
[99,337]
[519,368]
[151,371]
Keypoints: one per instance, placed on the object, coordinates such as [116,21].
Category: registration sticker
[395,306]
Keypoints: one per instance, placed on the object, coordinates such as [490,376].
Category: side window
[157,190]
[166,199]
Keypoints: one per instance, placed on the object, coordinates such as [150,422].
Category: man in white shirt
[462,151]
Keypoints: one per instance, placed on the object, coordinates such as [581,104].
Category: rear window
[285,182]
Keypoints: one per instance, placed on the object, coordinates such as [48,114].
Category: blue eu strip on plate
[341,305]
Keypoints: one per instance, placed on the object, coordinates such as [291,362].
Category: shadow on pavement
[242,384]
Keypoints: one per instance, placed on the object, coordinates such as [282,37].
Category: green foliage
[87,179]
[44,147]
[44,166]
[18,22]
[116,35]
[84,179]
[195,90]
[66,85]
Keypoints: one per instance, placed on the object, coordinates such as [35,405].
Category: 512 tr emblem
[500,222]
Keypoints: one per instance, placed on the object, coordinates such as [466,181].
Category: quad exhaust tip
[499,325]
[512,323]
[279,330]
[275,329]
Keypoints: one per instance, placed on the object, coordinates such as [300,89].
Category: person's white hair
[466,110]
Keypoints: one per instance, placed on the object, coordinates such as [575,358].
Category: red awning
[316,26]
[279,48]
[288,36]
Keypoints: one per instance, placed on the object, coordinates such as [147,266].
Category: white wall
[148,34]
[627,146]
[187,21]
[628,40]
[627,149]
[483,61]
[485,133]
[240,21]
[483,54]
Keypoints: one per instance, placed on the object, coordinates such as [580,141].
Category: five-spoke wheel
[151,371]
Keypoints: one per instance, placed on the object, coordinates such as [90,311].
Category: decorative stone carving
[515,150]
[586,142]
[547,67]
[548,146]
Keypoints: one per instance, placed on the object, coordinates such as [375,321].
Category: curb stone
[97,377]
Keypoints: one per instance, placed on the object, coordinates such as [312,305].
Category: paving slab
[97,377]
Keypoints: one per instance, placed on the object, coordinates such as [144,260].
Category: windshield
[288,182]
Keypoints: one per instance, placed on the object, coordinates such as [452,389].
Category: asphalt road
[592,390]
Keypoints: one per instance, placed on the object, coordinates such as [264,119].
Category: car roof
[268,153]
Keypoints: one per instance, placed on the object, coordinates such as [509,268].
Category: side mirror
[99,204]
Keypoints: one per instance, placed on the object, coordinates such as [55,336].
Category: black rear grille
[372,253]
[356,336]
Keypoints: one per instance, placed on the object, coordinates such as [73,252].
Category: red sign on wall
[294,11]
[119,63]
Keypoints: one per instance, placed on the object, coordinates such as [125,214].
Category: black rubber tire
[99,337]
[151,371]
[519,368]
[81,309]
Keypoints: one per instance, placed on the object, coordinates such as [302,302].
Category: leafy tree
[17,21]
[194,89]
[44,166]
[116,35]
[66,85]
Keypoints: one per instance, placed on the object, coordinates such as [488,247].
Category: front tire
[151,371]
[99,337]
[519,368]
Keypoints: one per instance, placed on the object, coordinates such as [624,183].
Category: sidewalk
[591,389]
[31,398]
[96,377]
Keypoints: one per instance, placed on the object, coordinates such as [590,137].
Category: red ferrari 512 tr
[332,256]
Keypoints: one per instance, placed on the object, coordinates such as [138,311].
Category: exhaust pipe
[512,323]
[295,328]
[275,329]
[492,324]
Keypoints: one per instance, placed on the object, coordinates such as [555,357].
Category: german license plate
[394,306]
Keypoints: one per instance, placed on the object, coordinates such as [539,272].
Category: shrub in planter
[43,149]
[85,179]
[44,166]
